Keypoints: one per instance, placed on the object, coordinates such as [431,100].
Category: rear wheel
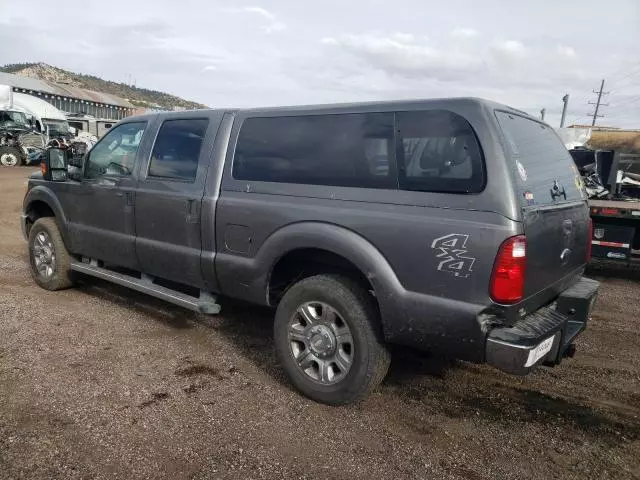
[11,157]
[49,259]
[328,339]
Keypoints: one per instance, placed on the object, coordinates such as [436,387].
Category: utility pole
[542,112]
[598,104]
[565,101]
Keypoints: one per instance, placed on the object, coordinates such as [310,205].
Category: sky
[286,52]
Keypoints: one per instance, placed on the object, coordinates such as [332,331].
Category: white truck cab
[27,123]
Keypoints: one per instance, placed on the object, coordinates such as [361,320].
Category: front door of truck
[102,222]
[168,203]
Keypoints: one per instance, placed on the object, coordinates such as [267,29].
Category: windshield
[9,119]
[57,129]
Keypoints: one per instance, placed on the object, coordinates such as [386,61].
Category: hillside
[141,97]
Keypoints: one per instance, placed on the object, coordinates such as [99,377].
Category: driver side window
[115,154]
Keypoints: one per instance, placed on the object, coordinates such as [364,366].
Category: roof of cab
[384,105]
[343,107]
[183,113]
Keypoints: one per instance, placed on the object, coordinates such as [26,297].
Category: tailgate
[556,244]
[554,210]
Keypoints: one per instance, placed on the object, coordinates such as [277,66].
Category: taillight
[610,211]
[507,278]
[589,240]
[43,168]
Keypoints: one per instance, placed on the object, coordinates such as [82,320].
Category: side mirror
[77,160]
[54,165]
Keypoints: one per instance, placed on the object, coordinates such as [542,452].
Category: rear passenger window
[439,153]
[177,149]
[351,150]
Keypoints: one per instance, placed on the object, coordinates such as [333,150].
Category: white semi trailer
[27,123]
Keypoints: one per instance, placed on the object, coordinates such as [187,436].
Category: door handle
[131,199]
[105,182]
[192,213]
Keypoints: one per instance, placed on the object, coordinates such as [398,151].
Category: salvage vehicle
[46,118]
[14,127]
[612,181]
[27,124]
[90,124]
[456,226]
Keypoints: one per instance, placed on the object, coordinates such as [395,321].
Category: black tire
[358,310]
[14,153]
[62,275]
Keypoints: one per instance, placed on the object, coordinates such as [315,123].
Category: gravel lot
[101,382]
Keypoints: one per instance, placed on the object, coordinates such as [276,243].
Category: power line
[575,120]
[631,73]
[626,74]
[598,103]
[627,102]
[624,68]
[632,82]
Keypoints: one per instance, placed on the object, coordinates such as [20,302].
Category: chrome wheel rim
[44,256]
[320,343]
[9,159]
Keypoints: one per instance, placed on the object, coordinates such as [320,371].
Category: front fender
[41,193]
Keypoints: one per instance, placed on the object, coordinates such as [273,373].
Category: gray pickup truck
[458,226]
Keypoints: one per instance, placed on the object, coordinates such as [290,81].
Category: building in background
[70,99]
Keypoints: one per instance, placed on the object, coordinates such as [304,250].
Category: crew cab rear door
[168,202]
[554,210]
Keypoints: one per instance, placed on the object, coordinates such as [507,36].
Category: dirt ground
[100,382]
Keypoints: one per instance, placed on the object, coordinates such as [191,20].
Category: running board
[205,304]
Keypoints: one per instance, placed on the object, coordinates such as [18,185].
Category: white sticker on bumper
[540,351]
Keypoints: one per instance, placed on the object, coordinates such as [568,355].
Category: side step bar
[206,303]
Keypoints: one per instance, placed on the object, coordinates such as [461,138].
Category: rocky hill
[142,97]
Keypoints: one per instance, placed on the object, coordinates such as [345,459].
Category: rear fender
[248,278]
[430,322]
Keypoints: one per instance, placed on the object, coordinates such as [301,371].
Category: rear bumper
[545,336]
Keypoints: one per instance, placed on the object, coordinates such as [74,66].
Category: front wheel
[49,259]
[328,339]
[11,157]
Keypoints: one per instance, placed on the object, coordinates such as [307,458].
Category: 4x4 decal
[451,250]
